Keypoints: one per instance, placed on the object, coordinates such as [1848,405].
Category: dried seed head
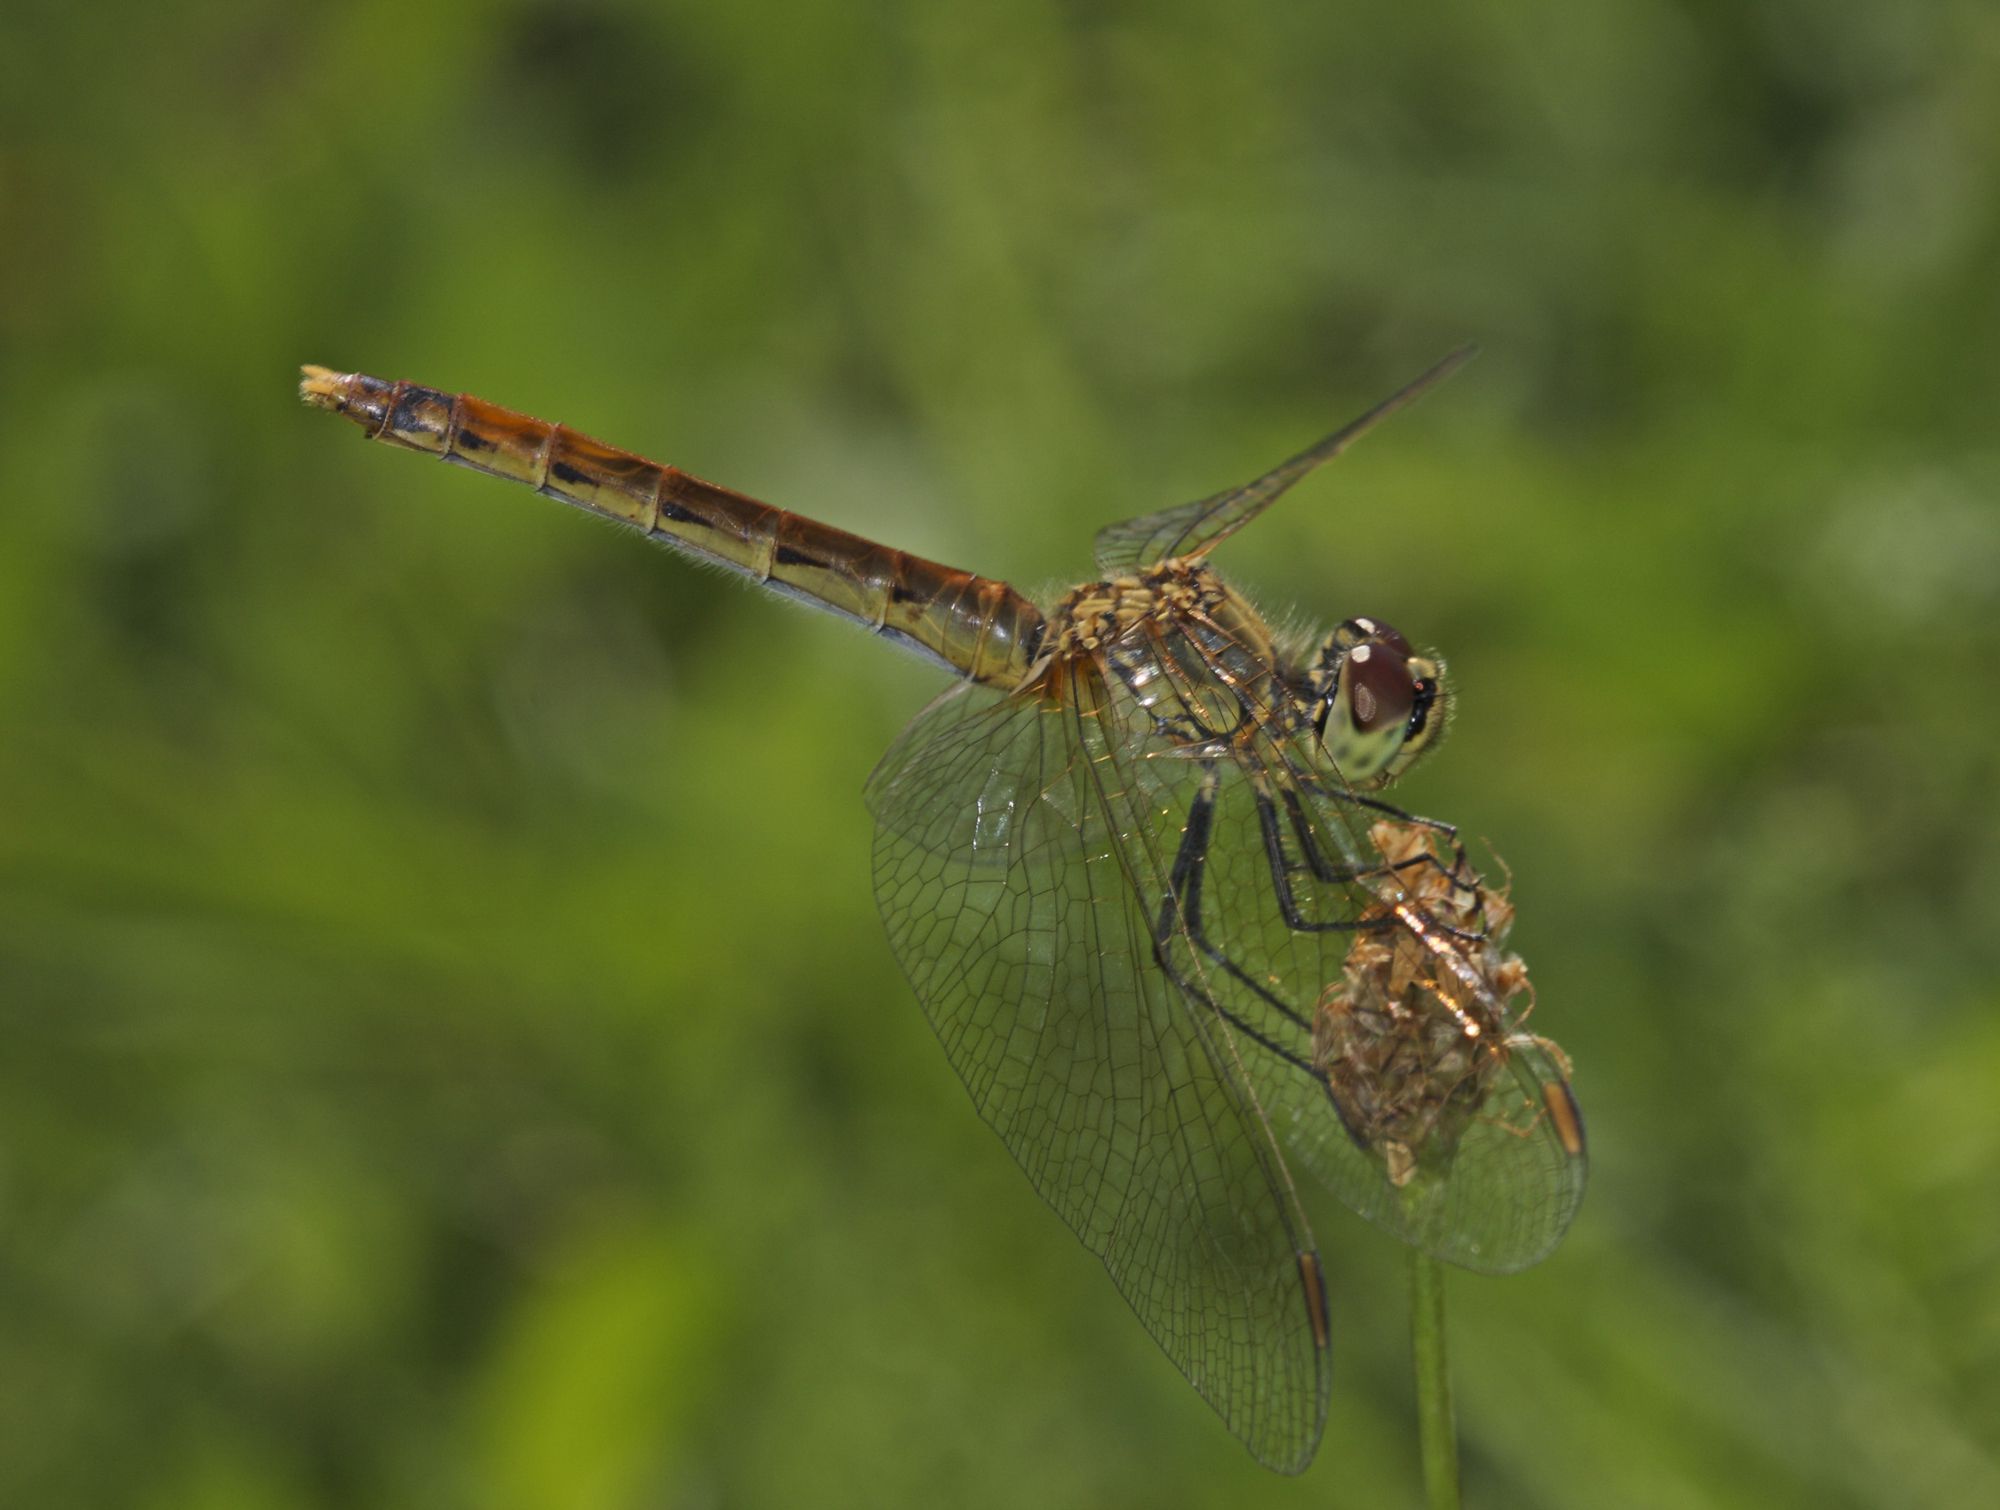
[1413,1034]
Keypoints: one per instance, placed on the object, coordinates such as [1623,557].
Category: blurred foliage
[452,1058]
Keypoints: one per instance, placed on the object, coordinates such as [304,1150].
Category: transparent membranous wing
[1191,529]
[1013,848]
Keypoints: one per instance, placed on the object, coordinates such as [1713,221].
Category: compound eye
[1376,684]
[1371,703]
[1380,705]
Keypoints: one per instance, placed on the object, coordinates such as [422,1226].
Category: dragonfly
[1137,869]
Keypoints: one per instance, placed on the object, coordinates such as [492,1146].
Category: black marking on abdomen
[1031,650]
[562,471]
[409,410]
[786,555]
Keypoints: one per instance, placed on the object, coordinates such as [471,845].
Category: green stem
[1437,1434]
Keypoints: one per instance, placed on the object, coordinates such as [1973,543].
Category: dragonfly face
[1380,706]
[1170,944]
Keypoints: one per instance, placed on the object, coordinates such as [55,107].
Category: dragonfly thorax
[1099,614]
[1186,647]
[1378,705]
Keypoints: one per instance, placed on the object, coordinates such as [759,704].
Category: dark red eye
[1380,693]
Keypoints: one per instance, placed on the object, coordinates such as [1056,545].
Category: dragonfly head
[1377,705]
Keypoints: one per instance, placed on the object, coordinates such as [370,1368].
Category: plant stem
[1437,1434]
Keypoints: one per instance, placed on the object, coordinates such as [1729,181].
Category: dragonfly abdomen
[977,626]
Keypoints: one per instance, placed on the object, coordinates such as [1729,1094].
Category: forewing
[1012,843]
[1191,529]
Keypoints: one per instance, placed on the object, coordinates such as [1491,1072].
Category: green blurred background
[451,1058]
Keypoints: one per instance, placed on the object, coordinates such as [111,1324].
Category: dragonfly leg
[1321,867]
[1180,915]
[1459,872]
[1282,868]
[1456,871]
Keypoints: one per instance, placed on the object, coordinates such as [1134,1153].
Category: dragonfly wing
[1004,829]
[1192,529]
